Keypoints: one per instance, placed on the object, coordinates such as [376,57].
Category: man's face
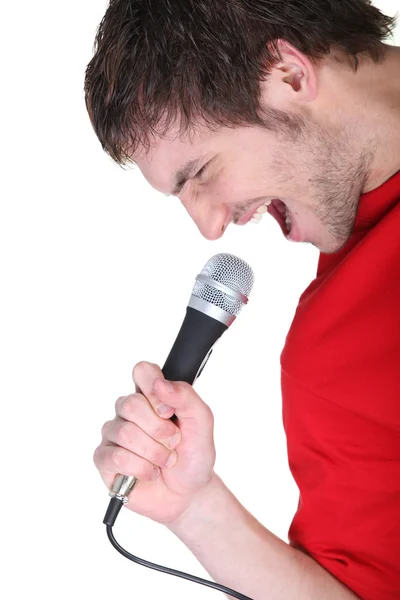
[314,177]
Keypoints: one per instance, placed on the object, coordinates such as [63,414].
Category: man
[239,107]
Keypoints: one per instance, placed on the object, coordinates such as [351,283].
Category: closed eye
[201,171]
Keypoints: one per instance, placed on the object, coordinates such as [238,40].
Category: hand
[141,439]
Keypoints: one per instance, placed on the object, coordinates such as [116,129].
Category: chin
[332,245]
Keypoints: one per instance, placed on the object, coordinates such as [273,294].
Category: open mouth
[277,209]
[281,214]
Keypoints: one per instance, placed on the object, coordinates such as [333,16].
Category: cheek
[305,217]
[235,188]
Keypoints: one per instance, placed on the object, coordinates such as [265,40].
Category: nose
[210,219]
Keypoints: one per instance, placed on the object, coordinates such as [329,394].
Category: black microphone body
[193,346]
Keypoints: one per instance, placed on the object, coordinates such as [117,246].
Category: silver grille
[230,271]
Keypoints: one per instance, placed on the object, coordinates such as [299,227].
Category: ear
[292,80]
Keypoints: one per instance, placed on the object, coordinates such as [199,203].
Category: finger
[172,397]
[187,404]
[111,460]
[137,409]
[129,436]
[144,374]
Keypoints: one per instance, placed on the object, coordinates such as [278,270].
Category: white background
[96,272]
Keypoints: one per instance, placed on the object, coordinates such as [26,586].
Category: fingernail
[163,409]
[171,460]
[174,440]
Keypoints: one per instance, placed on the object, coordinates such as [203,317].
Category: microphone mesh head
[231,271]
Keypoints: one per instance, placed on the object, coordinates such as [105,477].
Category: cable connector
[113,509]
[122,486]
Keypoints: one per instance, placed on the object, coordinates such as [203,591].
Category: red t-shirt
[341,404]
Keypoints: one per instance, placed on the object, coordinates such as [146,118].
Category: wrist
[204,508]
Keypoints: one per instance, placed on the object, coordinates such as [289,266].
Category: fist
[173,460]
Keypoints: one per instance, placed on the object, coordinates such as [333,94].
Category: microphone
[220,291]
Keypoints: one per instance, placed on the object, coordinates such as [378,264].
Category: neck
[369,101]
[383,117]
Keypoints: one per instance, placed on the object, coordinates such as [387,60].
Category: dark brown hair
[159,62]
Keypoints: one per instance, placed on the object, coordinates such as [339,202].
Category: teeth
[288,220]
[261,210]
[256,218]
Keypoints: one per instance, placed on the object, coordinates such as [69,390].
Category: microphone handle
[188,357]
[193,346]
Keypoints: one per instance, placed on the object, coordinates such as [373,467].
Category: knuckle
[139,367]
[206,410]
[124,434]
[131,404]
[119,402]
[105,429]
[209,419]
[118,458]
[209,414]
[97,456]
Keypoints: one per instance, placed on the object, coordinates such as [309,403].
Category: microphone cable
[114,507]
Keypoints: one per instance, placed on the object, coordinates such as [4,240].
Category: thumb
[187,405]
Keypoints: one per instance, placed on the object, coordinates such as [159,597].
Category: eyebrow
[185,173]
